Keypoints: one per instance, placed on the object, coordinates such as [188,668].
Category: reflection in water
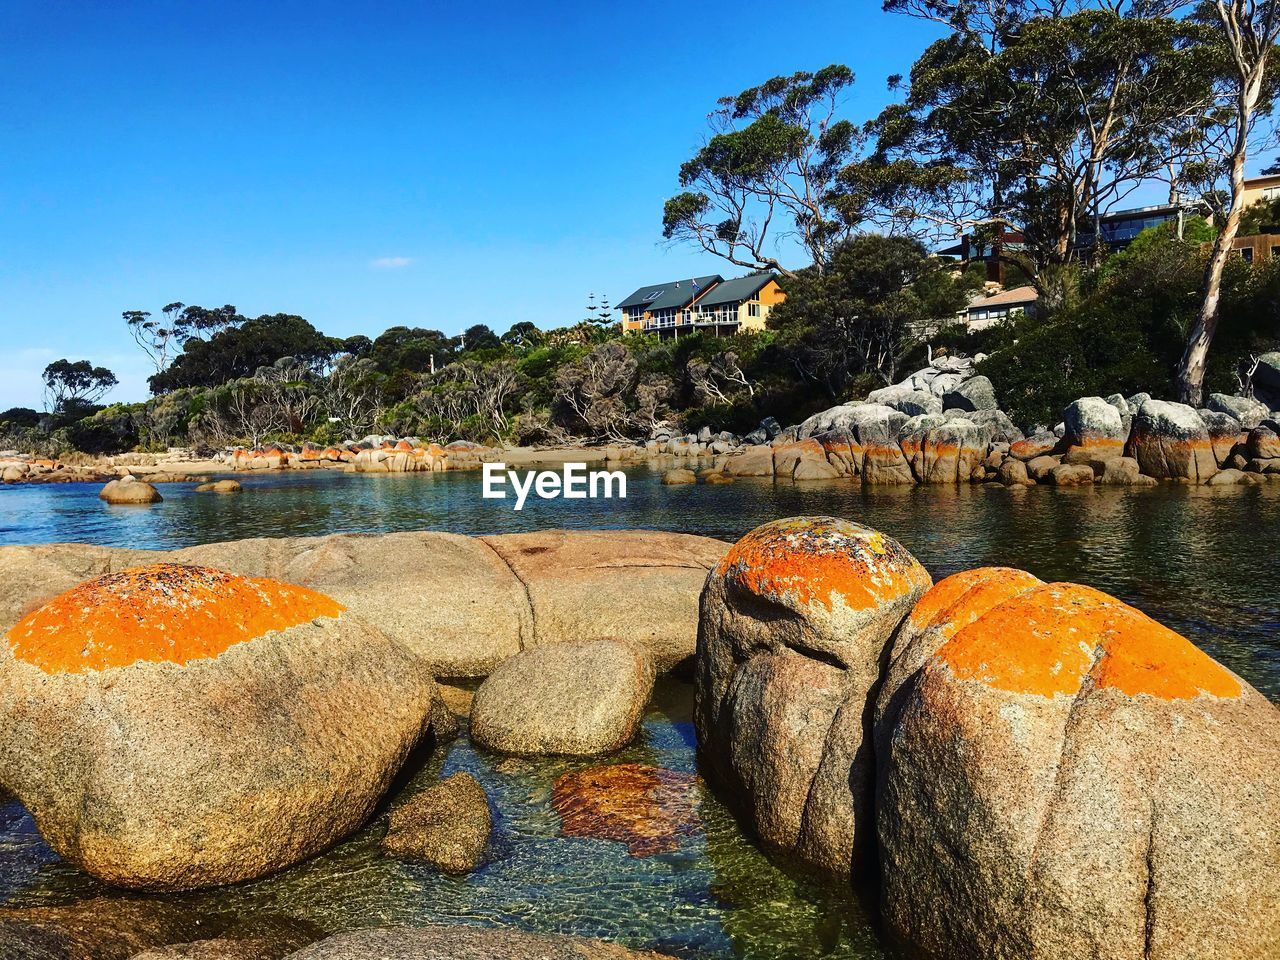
[1203,560]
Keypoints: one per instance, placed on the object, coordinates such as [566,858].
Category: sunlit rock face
[174,726]
[794,624]
[1062,776]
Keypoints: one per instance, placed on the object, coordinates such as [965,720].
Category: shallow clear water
[1204,560]
[713,895]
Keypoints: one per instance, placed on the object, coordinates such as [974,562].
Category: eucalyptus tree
[1245,36]
[767,173]
[70,385]
[1033,116]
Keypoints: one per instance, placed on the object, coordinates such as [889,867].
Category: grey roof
[660,296]
[736,291]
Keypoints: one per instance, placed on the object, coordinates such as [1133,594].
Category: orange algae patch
[960,599]
[1143,656]
[810,560]
[164,613]
[1048,640]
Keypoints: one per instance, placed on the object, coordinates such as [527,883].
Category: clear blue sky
[366,165]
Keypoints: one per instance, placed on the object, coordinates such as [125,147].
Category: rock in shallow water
[127,491]
[1170,441]
[649,809]
[447,825]
[463,943]
[171,727]
[794,621]
[570,699]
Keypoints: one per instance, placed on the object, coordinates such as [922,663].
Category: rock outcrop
[794,623]
[172,726]
[570,699]
[1170,441]
[1064,777]
[1095,426]
[461,604]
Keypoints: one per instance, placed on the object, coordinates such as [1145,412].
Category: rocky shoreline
[1051,771]
[941,425]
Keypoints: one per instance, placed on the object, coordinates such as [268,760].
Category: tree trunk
[1194,360]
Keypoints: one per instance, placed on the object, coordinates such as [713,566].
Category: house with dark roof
[713,304]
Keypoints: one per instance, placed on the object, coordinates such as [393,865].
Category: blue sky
[365,165]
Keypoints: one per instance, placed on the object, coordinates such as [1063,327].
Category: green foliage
[20,418]
[71,388]
[876,300]
[770,164]
[110,430]
[1126,335]
[238,351]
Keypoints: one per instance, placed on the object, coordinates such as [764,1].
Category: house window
[753,309]
[1270,193]
[1246,254]
[1275,252]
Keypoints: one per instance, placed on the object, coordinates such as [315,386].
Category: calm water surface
[1206,561]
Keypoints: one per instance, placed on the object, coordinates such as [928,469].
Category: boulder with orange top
[1170,441]
[794,621]
[1064,777]
[945,608]
[461,604]
[172,726]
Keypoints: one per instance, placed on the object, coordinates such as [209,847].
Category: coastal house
[1261,189]
[988,309]
[711,303]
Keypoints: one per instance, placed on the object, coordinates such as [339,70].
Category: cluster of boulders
[15,468]
[901,435]
[1024,769]
[373,454]
[210,715]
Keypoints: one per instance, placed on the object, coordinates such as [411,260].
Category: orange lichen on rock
[166,612]
[960,599]
[812,560]
[648,808]
[1048,640]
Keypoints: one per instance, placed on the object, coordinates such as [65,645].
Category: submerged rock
[463,943]
[676,477]
[1066,777]
[220,486]
[171,726]
[447,825]
[649,809]
[794,622]
[570,699]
